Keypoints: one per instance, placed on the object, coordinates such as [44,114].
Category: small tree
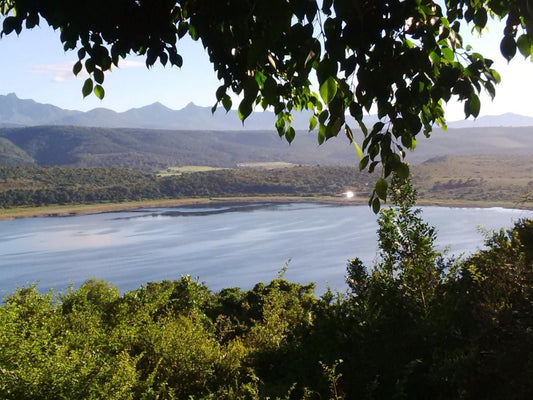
[407,243]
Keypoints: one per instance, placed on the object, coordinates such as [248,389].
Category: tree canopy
[403,57]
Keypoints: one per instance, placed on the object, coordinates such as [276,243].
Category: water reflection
[227,245]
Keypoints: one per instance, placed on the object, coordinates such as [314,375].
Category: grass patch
[170,171]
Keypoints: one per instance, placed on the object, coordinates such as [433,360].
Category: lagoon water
[225,246]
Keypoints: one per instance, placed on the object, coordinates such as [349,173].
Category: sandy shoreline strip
[98,208]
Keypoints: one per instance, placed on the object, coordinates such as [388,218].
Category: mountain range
[155,137]
[19,112]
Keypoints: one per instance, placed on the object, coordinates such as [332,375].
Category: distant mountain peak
[508,119]
[190,105]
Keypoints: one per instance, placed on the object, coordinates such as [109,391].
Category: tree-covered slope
[10,154]
[157,149]
[482,180]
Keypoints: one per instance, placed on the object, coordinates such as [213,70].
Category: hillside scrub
[414,325]
[35,186]
[501,181]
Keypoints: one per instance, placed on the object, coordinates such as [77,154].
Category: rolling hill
[150,149]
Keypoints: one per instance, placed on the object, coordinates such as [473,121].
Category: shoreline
[99,208]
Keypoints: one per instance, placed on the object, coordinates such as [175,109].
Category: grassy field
[266,165]
[484,179]
[170,171]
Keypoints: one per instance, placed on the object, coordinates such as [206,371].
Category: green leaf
[496,76]
[290,134]
[87,87]
[98,76]
[163,58]
[192,32]
[448,53]
[328,89]
[176,59]
[10,24]
[363,163]
[508,47]
[99,91]
[378,126]
[77,68]
[381,188]
[472,106]
[321,133]
[322,118]
[434,57]
[480,18]
[376,205]
[312,123]
[226,102]
[408,141]
[372,166]
[524,45]
[183,28]
[358,150]
[402,170]
[349,133]
[245,109]
[356,111]
[32,20]
[89,65]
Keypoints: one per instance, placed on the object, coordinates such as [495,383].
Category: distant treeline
[501,180]
[35,186]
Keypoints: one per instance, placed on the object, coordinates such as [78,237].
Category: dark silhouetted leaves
[87,87]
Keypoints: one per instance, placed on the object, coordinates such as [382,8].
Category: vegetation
[29,186]
[414,325]
[478,180]
[153,150]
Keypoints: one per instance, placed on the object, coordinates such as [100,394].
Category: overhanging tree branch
[403,58]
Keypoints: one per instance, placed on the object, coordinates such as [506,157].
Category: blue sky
[34,66]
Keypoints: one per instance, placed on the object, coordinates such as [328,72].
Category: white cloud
[62,72]
[130,64]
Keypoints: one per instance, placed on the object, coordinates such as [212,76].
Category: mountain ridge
[27,112]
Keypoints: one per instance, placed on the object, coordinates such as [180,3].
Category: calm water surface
[224,246]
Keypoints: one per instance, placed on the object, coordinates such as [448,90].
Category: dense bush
[36,186]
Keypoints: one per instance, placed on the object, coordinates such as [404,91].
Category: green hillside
[10,154]
[157,149]
[153,150]
[480,180]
